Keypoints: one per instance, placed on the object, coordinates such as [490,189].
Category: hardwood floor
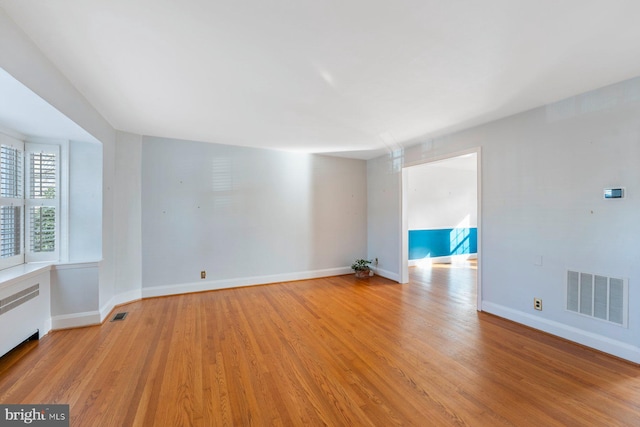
[339,351]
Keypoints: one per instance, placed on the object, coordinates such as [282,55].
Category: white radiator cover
[25,309]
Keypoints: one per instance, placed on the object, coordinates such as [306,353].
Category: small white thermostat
[613,193]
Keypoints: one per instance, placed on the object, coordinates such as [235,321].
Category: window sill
[67,265]
[12,275]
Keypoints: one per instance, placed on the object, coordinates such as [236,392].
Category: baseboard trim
[184,288]
[75,320]
[48,327]
[117,300]
[599,342]
[387,274]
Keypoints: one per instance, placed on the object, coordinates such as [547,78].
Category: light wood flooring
[338,351]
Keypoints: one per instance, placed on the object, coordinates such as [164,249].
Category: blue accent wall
[442,242]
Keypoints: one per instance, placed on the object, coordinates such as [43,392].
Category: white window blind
[10,231]
[11,171]
[42,226]
[11,202]
[43,175]
[42,202]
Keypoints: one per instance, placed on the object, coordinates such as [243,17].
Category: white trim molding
[387,274]
[598,342]
[75,320]
[183,288]
[120,299]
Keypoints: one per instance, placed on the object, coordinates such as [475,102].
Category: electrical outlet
[203,274]
[537,303]
[375,262]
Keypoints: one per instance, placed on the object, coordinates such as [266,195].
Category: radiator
[24,312]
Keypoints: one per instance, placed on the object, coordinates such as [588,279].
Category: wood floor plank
[337,351]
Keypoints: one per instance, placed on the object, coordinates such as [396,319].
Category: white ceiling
[355,77]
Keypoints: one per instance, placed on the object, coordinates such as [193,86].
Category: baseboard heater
[18,324]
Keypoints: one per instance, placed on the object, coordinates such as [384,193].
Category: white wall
[543,173]
[443,194]
[246,215]
[75,284]
[107,293]
[384,217]
[128,217]
[74,295]
[85,201]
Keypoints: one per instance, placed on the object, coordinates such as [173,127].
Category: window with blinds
[11,202]
[42,205]
[29,202]
[10,231]
[11,172]
[43,175]
[42,237]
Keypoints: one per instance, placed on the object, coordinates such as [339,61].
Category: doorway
[441,214]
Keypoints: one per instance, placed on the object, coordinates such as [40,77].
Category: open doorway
[441,215]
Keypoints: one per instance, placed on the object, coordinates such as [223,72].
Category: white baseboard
[89,318]
[117,300]
[386,274]
[183,288]
[75,320]
[46,328]
[598,342]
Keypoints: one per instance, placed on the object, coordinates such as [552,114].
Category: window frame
[61,149]
[31,202]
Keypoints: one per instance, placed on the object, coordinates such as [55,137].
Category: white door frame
[404,235]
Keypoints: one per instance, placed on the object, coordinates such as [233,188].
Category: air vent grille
[19,298]
[598,296]
[119,316]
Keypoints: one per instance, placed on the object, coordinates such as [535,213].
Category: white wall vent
[19,298]
[600,297]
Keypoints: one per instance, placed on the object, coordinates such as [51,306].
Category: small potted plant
[361,267]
